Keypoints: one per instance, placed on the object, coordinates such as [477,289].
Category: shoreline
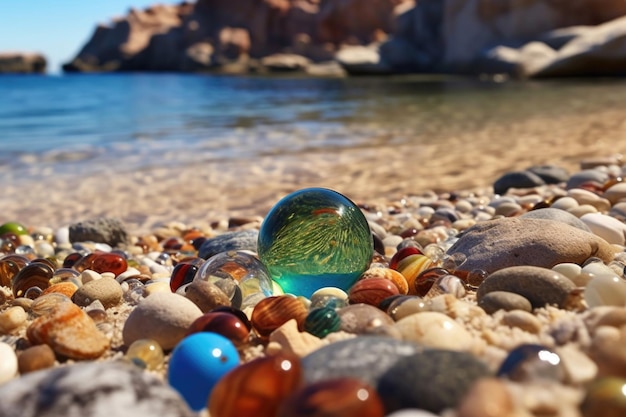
[199,193]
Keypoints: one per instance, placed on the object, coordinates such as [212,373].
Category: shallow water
[84,123]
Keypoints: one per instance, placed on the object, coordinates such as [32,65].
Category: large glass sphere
[315,238]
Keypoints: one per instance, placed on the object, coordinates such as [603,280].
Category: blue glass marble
[315,238]
[197,363]
[529,362]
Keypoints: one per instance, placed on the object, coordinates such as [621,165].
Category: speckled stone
[514,241]
[240,240]
[109,388]
[106,290]
[163,317]
[540,286]
[361,318]
[504,300]
[363,357]
[556,215]
[432,380]
[111,231]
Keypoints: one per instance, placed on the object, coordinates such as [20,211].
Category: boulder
[514,241]
[22,63]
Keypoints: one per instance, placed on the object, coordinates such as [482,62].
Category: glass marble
[227,324]
[339,397]
[197,363]
[272,312]
[529,362]
[13,227]
[240,268]
[315,238]
[372,291]
[322,321]
[182,274]
[605,397]
[36,274]
[256,388]
[145,353]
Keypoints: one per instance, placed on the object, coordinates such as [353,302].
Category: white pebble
[129,273]
[605,290]
[12,318]
[89,275]
[607,227]
[565,203]
[8,363]
[434,330]
[62,236]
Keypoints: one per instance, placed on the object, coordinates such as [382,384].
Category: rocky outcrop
[522,38]
[234,35]
[525,38]
[22,63]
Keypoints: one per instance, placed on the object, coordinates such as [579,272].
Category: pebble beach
[525,315]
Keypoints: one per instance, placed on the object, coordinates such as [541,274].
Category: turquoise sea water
[86,121]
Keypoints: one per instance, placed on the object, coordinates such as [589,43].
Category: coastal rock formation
[22,63]
[530,38]
[522,38]
[232,35]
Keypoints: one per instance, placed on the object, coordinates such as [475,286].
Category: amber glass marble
[340,397]
[145,353]
[37,274]
[272,312]
[315,238]
[256,388]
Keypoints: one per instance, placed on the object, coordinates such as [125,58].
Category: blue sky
[57,28]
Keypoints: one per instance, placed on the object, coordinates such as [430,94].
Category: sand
[198,194]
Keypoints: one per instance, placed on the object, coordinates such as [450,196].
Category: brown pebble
[522,320]
[488,397]
[69,331]
[107,290]
[35,358]
[206,295]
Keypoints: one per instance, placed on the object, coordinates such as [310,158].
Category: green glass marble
[315,238]
[322,321]
[13,227]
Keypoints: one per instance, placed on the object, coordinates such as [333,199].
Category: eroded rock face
[212,34]
[22,63]
[522,38]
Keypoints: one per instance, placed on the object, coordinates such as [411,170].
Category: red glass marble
[256,388]
[71,259]
[182,274]
[340,397]
[226,324]
[272,312]
[371,291]
[426,279]
[102,262]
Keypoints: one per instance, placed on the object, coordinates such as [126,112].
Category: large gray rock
[514,241]
[364,357]
[558,215]
[91,389]
[102,230]
[241,240]
[432,380]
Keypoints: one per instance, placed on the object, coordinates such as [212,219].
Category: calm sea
[82,122]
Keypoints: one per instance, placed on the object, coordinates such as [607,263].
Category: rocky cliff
[523,38]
